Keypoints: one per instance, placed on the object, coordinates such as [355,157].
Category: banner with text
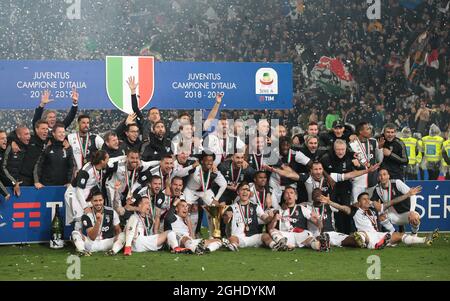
[166,85]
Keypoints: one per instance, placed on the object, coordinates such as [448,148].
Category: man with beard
[369,153]
[89,176]
[401,214]
[234,171]
[129,170]
[165,169]
[199,186]
[262,195]
[311,149]
[141,235]
[287,157]
[325,215]
[395,157]
[158,144]
[292,226]
[83,143]
[101,228]
[169,198]
[243,216]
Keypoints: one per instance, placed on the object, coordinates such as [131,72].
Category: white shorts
[146,243]
[181,236]
[374,238]
[250,241]
[336,238]
[98,245]
[399,219]
[296,239]
[74,210]
[192,196]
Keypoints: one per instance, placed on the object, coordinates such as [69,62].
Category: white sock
[130,230]
[315,245]
[415,229]
[172,240]
[78,241]
[409,239]
[77,226]
[276,235]
[388,225]
[191,244]
[194,220]
[118,244]
[214,246]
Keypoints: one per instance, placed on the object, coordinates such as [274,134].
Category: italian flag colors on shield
[119,69]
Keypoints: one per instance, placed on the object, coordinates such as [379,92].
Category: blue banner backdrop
[178,85]
[28,218]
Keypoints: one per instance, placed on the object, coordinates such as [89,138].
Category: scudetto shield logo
[118,69]
[266,81]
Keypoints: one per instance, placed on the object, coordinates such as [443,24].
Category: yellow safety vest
[411,149]
[446,146]
[432,147]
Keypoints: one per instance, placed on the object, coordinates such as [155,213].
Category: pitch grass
[420,262]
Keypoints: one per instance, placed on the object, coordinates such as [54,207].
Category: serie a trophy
[215,215]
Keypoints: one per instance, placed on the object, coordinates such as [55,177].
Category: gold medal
[84,161]
[247,228]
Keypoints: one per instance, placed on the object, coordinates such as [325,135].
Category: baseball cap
[338,124]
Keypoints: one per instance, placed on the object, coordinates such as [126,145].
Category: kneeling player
[140,235]
[243,216]
[176,220]
[293,222]
[399,214]
[102,229]
[326,225]
[366,221]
